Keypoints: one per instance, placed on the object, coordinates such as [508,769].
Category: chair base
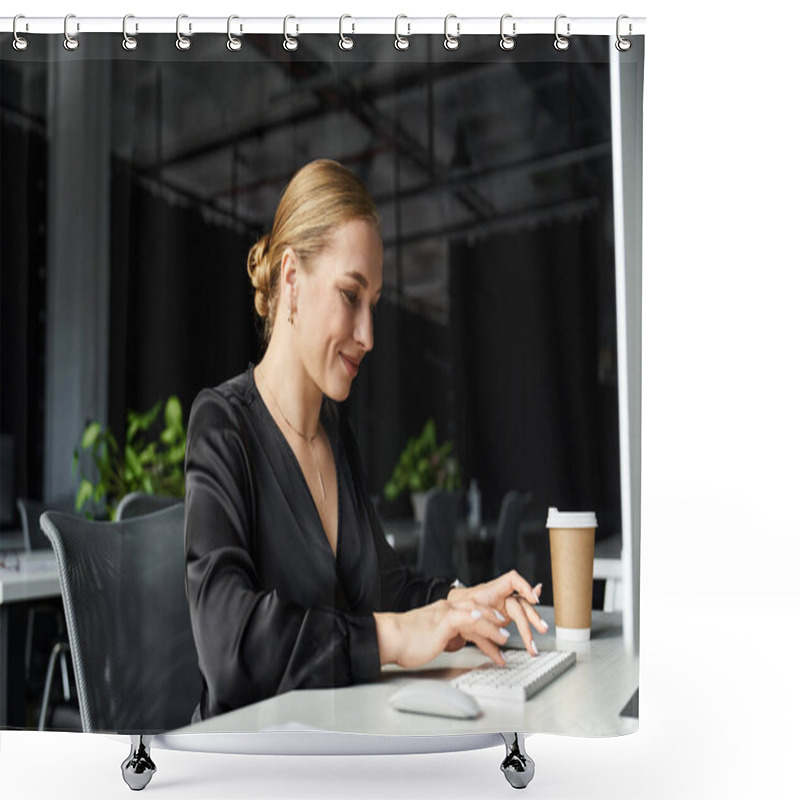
[517,766]
[138,768]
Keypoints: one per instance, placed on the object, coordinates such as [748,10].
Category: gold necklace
[308,439]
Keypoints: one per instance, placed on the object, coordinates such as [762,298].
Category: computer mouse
[438,698]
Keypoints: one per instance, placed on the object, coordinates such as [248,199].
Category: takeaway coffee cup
[572,561]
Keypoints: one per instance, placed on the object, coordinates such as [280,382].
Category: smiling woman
[290,579]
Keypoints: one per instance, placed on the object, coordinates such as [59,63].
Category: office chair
[31,510]
[532,561]
[127,616]
[512,509]
[135,504]
[34,539]
[437,546]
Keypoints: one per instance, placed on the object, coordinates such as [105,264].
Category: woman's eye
[350,297]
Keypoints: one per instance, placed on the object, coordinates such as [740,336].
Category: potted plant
[151,461]
[423,465]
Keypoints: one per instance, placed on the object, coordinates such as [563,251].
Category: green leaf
[173,414]
[149,417]
[429,434]
[177,454]
[133,428]
[148,455]
[132,461]
[90,434]
[84,493]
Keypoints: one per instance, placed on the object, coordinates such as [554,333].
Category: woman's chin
[339,391]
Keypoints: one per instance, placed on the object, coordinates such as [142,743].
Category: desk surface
[584,701]
[34,577]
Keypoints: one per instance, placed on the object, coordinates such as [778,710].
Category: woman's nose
[363,332]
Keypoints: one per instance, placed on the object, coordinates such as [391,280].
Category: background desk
[35,578]
[584,701]
[403,535]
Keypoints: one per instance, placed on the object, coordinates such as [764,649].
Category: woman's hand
[512,596]
[415,637]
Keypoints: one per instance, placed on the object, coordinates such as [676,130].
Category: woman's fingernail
[533,648]
[475,614]
[504,632]
[545,625]
[499,616]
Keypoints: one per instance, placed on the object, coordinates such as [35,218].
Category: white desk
[584,701]
[34,577]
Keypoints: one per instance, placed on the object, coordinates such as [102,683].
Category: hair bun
[258,270]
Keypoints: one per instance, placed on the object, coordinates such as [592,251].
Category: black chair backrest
[31,510]
[135,504]
[133,652]
[435,553]
[513,509]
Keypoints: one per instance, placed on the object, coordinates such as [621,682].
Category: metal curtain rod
[403,26]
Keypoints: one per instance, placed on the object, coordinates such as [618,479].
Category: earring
[291,316]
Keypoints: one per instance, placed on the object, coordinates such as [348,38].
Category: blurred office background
[133,185]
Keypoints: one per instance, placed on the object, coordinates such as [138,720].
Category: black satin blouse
[272,608]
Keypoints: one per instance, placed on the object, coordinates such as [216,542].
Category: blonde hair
[319,197]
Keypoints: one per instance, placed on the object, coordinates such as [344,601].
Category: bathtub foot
[138,768]
[518,766]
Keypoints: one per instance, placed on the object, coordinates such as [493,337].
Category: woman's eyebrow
[357,276]
[361,280]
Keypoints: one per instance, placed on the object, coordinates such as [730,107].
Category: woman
[290,580]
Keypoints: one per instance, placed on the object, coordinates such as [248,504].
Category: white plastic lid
[570,519]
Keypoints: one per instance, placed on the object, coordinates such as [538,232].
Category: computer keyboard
[521,677]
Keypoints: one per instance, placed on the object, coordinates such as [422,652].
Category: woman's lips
[350,366]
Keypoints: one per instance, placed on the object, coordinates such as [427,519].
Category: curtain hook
[507,42]
[182,43]
[288,42]
[70,42]
[400,42]
[561,42]
[623,44]
[345,42]
[128,42]
[20,43]
[451,42]
[233,43]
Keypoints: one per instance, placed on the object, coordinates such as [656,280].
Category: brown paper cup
[572,562]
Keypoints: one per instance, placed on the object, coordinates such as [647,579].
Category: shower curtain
[135,181]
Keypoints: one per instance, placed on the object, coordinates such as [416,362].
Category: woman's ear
[290,270]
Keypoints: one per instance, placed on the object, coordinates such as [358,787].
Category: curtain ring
[345,42]
[70,42]
[20,43]
[561,42]
[288,42]
[182,43]
[623,44]
[451,42]
[400,42]
[233,44]
[128,42]
[507,42]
